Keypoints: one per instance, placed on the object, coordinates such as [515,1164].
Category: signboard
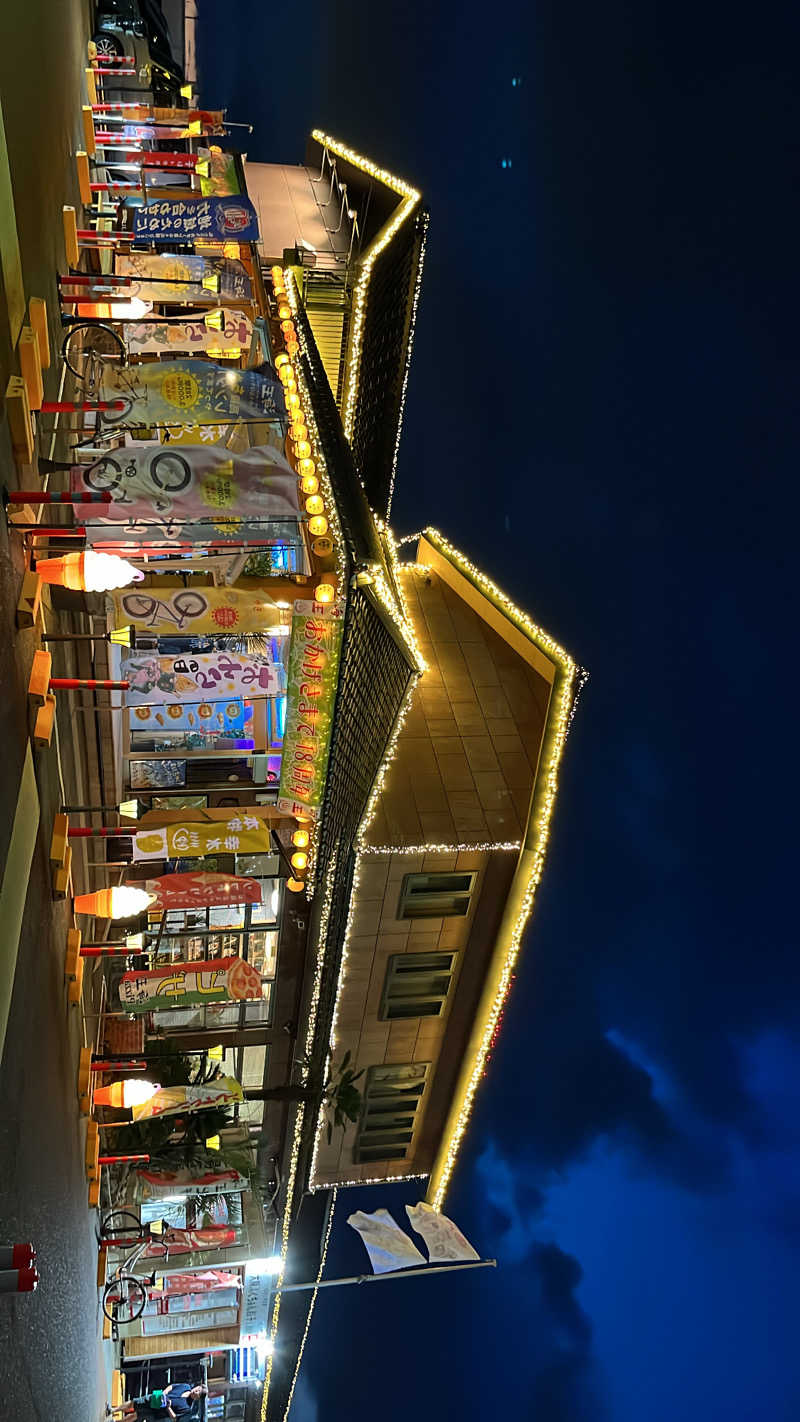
[159,337]
[220,219]
[241,834]
[190,611]
[196,390]
[222,179]
[193,891]
[192,677]
[162,276]
[311,692]
[188,1322]
[255,1306]
[184,984]
[162,1183]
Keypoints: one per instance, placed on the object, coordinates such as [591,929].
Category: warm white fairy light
[373,1180]
[323,1256]
[294,1154]
[479,847]
[358,312]
[545,791]
[412,326]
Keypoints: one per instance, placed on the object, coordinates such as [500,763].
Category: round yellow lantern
[318,525]
[300,839]
[323,592]
[315,504]
[309,483]
[299,860]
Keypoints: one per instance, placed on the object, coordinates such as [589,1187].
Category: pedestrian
[179,1399]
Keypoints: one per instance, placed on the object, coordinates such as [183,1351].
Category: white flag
[387,1245]
[444,1239]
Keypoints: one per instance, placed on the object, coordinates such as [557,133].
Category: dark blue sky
[603,413]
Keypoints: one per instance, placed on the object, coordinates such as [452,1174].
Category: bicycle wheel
[86,343]
[171,472]
[105,474]
[124,1299]
[120,1222]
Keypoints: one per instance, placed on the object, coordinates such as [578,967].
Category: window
[435,895]
[391,1101]
[416,985]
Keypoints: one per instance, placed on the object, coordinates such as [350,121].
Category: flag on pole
[388,1246]
[445,1242]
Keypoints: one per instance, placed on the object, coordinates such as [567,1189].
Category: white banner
[445,1242]
[387,1245]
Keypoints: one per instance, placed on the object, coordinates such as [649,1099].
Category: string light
[291,1177]
[560,712]
[313,1300]
[407,365]
[373,1180]
[410,197]
[482,847]
[531,863]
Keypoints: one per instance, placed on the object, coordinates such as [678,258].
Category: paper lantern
[300,838]
[295,886]
[306,466]
[315,504]
[322,547]
[281,359]
[299,860]
[323,592]
[318,525]
[309,484]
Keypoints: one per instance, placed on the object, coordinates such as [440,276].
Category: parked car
[138,28]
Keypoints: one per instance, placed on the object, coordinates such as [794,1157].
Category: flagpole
[390,1274]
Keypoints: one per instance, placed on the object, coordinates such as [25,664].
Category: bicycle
[169,471]
[88,344]
[125,1293]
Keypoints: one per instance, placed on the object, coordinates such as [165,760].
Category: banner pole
[390,1274]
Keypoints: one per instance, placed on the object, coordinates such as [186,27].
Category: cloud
[561,1378]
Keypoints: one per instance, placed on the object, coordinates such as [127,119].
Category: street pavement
[52,1362]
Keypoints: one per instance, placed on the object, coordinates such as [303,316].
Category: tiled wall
[469,747]
[377,934]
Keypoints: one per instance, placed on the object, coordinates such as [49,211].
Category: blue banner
[213,219]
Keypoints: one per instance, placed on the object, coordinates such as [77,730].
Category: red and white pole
[77,683]
[18,1281]
[17,1256]
[88,832]
[100,1065]
[42,496]
[119,1159]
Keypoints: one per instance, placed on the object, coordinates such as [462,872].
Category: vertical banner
[311,692]
[159,337]
[220,219]
[242,834]
[183,984]
[194,391]
[192,677]
[187,612]
[165,276]
[197,891]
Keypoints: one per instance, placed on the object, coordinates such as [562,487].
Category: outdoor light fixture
[309,483]
[126,1093]
[88,571]
[121,901]
[306,467]
[272,1265]
[295,886]
[317,525]
[315,504]
[299,860]
[300,838]
[323,592]
[281,359]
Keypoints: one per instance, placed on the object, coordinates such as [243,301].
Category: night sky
[603,413]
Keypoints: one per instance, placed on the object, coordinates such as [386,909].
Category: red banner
[183,1241]
[186,891]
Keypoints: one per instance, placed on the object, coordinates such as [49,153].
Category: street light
[272,1265]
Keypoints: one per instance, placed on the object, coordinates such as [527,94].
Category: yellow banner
[188,611]
[240,834]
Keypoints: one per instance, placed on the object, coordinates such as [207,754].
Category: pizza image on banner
[183,984]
